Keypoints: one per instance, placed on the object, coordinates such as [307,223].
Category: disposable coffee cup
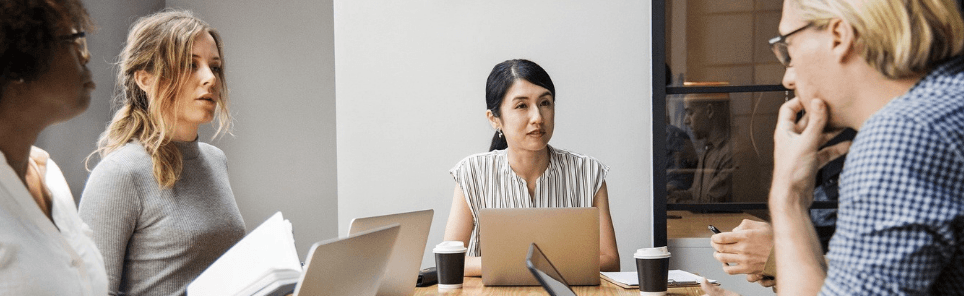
[652,268]
[450,263]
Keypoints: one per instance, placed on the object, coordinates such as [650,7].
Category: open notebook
[265,262]
[676,278]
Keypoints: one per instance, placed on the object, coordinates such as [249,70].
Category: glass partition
[709,40]
[719,100]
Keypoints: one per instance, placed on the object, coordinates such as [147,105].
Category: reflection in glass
[708,118]
[726,155]
[719,146]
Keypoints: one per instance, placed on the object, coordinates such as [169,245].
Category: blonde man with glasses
[892,70]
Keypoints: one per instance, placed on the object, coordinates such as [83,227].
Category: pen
[713,229]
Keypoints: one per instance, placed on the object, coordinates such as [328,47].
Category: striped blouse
[487,181]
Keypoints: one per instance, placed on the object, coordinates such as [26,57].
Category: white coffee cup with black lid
[450,264]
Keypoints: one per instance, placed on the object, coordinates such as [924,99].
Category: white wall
[410,98]
[280,74]
[280,68]
[410,101]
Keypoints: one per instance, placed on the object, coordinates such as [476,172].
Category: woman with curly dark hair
[45,248]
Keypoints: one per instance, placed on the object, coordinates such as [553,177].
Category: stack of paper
[263,263]
[676,278]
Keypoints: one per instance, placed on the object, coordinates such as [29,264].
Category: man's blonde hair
[900,38]
[160,44]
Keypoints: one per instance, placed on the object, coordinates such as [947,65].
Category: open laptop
[571,234]
[403,265]
[547,275]
[351,266]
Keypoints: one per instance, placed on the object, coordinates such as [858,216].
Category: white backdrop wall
[281,76]
[410,87]
[410,79]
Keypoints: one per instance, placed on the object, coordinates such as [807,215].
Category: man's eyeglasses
[779,46]
[79,39]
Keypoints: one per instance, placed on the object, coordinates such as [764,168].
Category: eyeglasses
[779,46]
[79,39]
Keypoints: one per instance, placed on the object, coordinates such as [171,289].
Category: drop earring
[786,96]
[500,132]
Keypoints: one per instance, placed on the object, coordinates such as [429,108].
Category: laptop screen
[546,273]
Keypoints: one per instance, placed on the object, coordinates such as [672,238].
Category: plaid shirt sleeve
[900,220]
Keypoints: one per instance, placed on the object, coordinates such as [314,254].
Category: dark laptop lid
[547,275]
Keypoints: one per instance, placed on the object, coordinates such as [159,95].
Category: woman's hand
[459,228]
[608,252]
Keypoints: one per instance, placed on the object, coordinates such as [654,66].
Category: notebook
[351,266]
[406,258]
[264,262]
[571,234]
[675,278]
[547,275]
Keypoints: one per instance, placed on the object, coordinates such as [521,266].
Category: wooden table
[473,286]
[691,225]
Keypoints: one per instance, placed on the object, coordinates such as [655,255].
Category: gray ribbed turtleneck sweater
[156,241]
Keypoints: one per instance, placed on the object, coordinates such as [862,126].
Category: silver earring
[500,133]
[786,96]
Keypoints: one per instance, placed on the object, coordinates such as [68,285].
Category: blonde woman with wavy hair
[159,201]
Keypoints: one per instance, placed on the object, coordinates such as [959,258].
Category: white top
[38,257]
[487,181]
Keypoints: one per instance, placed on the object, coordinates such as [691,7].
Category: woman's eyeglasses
[779,46]
[79,39]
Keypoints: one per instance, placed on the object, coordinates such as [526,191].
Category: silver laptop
[403,265]
[570,234]
[351,266]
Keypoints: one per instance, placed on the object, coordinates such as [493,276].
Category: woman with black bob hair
[521,170]
[45,247]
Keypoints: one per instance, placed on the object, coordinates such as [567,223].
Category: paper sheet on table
[676,278]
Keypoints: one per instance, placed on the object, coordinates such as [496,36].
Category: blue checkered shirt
[900,229]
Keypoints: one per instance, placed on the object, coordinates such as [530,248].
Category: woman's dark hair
[501,79]
[29,34]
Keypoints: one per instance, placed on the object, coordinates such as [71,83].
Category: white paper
[267,251]
[683,277]
[675,276]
